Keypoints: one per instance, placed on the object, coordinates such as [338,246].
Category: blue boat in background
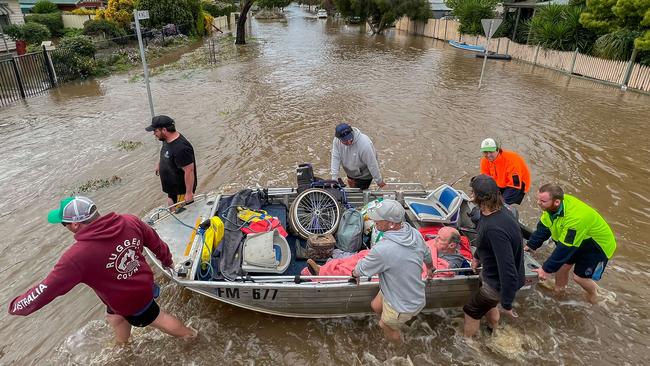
[467,47]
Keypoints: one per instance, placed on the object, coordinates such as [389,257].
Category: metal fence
[25,76]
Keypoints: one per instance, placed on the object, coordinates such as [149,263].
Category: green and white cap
[72,209]
[489,145]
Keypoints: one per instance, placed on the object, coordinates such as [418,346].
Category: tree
[380,14]
[44,7]
[271,4]
[52,21]
[470,13]
[558,27]
[119,11]
[245,7]
[180,12]
[618,22]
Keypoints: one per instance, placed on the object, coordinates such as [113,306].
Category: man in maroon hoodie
[108,258]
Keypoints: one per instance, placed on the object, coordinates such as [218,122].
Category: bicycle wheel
[314,212]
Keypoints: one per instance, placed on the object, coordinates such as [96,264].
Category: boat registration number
[256,294]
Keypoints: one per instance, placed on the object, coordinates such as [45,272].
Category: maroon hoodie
[108,257]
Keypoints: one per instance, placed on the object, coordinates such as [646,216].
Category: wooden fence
[75,21]
[573,63]
[221,22]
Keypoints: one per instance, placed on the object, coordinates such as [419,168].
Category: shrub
[14,31]
[71,32]
[79,45]
[218,9]
[179,12]
[44,7]
[83,11]
[52,21]
[74,57]
[34,33]
[111,29]
[470,13]
[207,21]
[119,11]
[558,27]
[617,45]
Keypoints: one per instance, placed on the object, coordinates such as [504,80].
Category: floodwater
[254,118]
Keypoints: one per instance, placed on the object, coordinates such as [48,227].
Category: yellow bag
[248,215]
[212,238]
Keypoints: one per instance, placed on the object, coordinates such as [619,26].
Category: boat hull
[282,295]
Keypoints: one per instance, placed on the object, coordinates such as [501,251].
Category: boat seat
[266,252]
[440,206]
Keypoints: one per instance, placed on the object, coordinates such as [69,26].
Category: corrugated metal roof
[4,10]
[534,3]
[439,5]
[57,2]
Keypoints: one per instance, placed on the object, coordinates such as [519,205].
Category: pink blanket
[344,266]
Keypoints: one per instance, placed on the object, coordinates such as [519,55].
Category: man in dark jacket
[107,257]
[500,252]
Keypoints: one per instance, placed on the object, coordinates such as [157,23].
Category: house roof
[533,3]
[439,5]
[4,10]
[26,5]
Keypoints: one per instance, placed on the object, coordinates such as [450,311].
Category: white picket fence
[573,63]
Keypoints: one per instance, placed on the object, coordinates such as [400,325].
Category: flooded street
[254,118]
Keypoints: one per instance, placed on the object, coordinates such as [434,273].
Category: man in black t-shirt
[177,166]
[500,253]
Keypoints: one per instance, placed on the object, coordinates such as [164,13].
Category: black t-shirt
[500,250]
[173,157]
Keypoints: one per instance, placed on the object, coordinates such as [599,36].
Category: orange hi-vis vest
[508,170]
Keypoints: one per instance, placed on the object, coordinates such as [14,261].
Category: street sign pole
[487,43]
[490,27]
[138,15]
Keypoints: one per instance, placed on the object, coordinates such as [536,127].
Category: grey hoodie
[359,160]
[398,259]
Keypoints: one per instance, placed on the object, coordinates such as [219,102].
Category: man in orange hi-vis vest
[507,168]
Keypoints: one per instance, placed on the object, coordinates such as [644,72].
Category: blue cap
[344,132]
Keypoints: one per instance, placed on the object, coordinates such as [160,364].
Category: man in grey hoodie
[356,153]
[397,258]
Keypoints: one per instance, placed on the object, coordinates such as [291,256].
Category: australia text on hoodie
[108,257]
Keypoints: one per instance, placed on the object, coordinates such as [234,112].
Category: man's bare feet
[313,267]
[592,298]
[193,335]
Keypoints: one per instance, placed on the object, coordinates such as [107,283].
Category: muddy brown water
[252,120]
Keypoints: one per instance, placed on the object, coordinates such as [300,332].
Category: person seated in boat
[356,153]
[507,168]
[445,247]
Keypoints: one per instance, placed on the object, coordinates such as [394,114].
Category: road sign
[142,14]
[490,26]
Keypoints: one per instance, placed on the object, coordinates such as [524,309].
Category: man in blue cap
[357,154]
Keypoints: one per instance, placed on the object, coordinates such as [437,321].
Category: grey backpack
[349,236]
